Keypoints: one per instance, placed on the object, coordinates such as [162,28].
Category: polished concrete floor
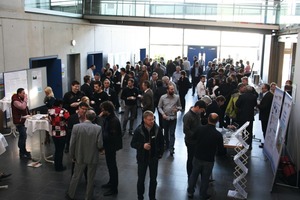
[44,183]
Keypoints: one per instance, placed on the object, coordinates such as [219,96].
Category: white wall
[25,35]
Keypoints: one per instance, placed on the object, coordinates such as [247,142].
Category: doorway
[54,72]
[73,70]
[209,53]
[95,59]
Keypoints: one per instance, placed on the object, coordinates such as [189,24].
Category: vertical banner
[270,149]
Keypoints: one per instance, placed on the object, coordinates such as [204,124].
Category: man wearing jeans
[169,104]
[19,111]
[208,141]
[149,144]
[129,95]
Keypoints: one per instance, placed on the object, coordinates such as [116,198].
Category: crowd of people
[86,120]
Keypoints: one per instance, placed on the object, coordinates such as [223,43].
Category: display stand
[5,106]
[240,159]
[3,145]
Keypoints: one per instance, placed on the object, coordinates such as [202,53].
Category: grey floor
[44,183]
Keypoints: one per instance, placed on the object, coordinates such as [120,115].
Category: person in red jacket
[58,117]
[19,111]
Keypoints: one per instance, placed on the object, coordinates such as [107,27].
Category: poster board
[13,81]
[33,81]
[270,149]
[37,81]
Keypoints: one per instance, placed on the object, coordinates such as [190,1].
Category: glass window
[166,35]
[201,37]
[166,51]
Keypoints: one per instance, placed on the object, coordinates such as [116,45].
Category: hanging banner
[270,149]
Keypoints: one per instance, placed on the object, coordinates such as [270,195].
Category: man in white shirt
[90,71]
[201,89]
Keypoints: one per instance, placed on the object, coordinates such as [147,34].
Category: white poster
[270,149]
[13,81]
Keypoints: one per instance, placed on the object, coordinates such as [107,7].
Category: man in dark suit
[112,95]
[264,108]
[86,142]
[123,84]
[153,82]
[147,98]
[215,107]
[86,88]
[246,104]
[196,72]
[112,142]
[116,77]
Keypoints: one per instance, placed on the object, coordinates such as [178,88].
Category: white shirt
[201,90]
[186,65]
[90,73]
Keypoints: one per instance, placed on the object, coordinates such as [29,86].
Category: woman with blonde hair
[49,98]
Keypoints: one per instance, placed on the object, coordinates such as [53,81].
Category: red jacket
[17,113]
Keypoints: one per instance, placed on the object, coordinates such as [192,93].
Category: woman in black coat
[183,85]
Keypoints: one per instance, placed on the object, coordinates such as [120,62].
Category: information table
[5,106]
[39,124]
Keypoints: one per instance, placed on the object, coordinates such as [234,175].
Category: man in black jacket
[209,140]
[196,72]
[86,88]
[148,140]
[246,104]
[112,142]
[190,121]
[264,108]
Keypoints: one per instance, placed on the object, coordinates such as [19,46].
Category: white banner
[270,149]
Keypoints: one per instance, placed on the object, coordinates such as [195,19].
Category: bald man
[209,140]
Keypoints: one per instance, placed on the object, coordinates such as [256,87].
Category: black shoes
[110,192]
[261,145]
[68,197]
[61,169]
[3,175]
[121,112]
[172,151]
[25,155]
[190,195]
[107,185]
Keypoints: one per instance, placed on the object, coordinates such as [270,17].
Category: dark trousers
[59,143]
[195,81]
[132,109]
[169,132]
[68,138]
[203,168]
[142,169]
[190,156]
[264,125]
[182,100]
[22,138]
[110,156]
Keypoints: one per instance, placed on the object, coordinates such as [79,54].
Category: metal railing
[265,12]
